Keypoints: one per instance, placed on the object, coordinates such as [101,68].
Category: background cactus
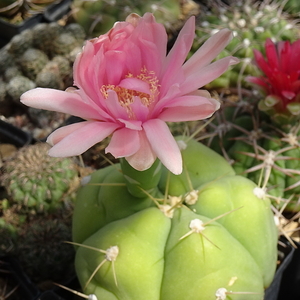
[266,152]
[42,251]
[97,17]
[189,235]
[251,22]
[42,56]
[37,182]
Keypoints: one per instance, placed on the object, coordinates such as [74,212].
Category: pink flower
[281,80]
[129,87]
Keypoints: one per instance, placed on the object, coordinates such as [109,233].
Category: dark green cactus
[203,234]
[42,250]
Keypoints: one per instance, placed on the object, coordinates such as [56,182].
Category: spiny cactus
[258,149]
[260,133]
[37,182]
[203,234]
[252,22]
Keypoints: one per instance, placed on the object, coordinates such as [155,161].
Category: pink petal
[64,131]
[81,139]
[132,124]
[140,111]
[187,100]
[114,66]
[113,106]
[61,101]
[207,74]
[164,144]
[178,54]
[144,157]
[135,84]
[208,51]
[124,142]
[190,113]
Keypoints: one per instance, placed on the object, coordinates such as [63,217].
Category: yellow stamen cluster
[126,96]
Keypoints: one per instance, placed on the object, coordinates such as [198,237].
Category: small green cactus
[97,17]
[37,182]
[203,234]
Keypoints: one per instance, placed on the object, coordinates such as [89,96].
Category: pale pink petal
[155,33]
[61,101]
[114,61]
[208,51]
[80,140]
[164,145]
[139,110]
[64,131]
[124,142]
[201,93]
[132,124]
[190,113]
[113,106]
[135,84]
[187,100]
[207,74]
[173,92]
[81,63]
[144,157]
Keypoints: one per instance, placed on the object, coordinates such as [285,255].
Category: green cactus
[203,234]
[97,17]
[252,22]
[37,182]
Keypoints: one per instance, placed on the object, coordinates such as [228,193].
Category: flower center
[126,96]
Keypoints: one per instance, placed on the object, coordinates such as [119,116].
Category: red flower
[281,80]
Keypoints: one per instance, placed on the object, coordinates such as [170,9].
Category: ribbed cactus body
[188,237]
[38,182]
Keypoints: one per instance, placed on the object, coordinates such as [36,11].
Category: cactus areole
[154,235]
